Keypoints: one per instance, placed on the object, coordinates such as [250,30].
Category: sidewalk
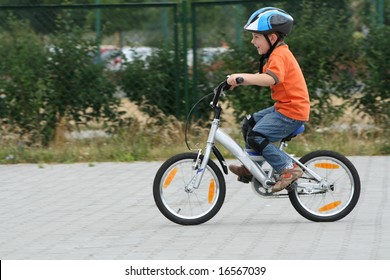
[107,211]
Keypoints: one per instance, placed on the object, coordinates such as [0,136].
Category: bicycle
[189,188]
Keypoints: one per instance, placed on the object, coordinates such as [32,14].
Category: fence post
[380,13]
[376,12]
[185,66]
[98,30]
[194,57]
[176,59]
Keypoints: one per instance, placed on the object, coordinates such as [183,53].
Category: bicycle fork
[195,182]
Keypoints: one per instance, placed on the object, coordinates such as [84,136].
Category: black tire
[339,199]
[180,205]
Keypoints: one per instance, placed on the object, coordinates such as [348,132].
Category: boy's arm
[257,79]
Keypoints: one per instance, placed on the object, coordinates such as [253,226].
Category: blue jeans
[274,127]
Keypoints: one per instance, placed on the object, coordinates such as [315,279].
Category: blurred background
[112,80]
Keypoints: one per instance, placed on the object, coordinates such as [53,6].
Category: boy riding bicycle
[282,73]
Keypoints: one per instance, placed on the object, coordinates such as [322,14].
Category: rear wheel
[335,196]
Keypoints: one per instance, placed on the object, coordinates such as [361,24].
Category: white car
[205,55]
[132,53]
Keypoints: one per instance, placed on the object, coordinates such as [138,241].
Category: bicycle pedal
[244,179]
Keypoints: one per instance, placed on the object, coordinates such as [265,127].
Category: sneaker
[243,174]
[287,177]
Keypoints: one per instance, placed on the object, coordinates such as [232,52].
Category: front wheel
[175,197]
[334,196]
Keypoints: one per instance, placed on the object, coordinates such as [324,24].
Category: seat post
[283,144]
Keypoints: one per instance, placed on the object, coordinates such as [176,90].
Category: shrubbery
[152,85]
[46,82]
[44,85]
[375,73]
[22,79]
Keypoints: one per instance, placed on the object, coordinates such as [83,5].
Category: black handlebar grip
[239,80]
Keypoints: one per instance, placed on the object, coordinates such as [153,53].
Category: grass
[157,140]
[347,143]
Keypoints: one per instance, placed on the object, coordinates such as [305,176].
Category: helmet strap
[271,48]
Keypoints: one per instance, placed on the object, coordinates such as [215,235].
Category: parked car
[114,58]
[132,53]
[111,57]
[205,55]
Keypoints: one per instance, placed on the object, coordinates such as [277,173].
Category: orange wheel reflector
[170,177]
[211,191]
[327,165]
[330,206]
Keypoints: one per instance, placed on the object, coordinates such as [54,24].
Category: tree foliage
[42,85]
[47,72]
[375,72]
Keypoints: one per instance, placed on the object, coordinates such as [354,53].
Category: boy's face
[261,44]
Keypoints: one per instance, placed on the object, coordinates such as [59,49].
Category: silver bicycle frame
[225,140]
[240,154]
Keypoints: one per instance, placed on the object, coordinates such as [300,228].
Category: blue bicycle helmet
[268,20]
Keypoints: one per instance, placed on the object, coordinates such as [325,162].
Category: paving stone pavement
[106,211]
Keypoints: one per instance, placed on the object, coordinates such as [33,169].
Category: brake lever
[220,90]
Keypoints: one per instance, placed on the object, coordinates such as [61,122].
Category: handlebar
[221,88]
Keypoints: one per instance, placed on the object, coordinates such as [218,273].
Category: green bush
[375,75]
[151,83]
[323,43]
[79,89]
[48,78]
[42,85]
[22,82]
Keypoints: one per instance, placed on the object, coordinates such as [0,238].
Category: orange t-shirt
[290,90]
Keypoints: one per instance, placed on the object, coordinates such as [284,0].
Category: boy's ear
[274,37]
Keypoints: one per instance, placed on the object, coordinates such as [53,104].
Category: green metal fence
[135,29]
[182,27]
[232,13]
[134,26]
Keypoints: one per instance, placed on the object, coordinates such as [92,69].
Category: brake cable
[189,117]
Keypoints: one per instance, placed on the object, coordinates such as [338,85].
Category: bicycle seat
[298,131]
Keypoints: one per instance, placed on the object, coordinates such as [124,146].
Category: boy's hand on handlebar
[234,80]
